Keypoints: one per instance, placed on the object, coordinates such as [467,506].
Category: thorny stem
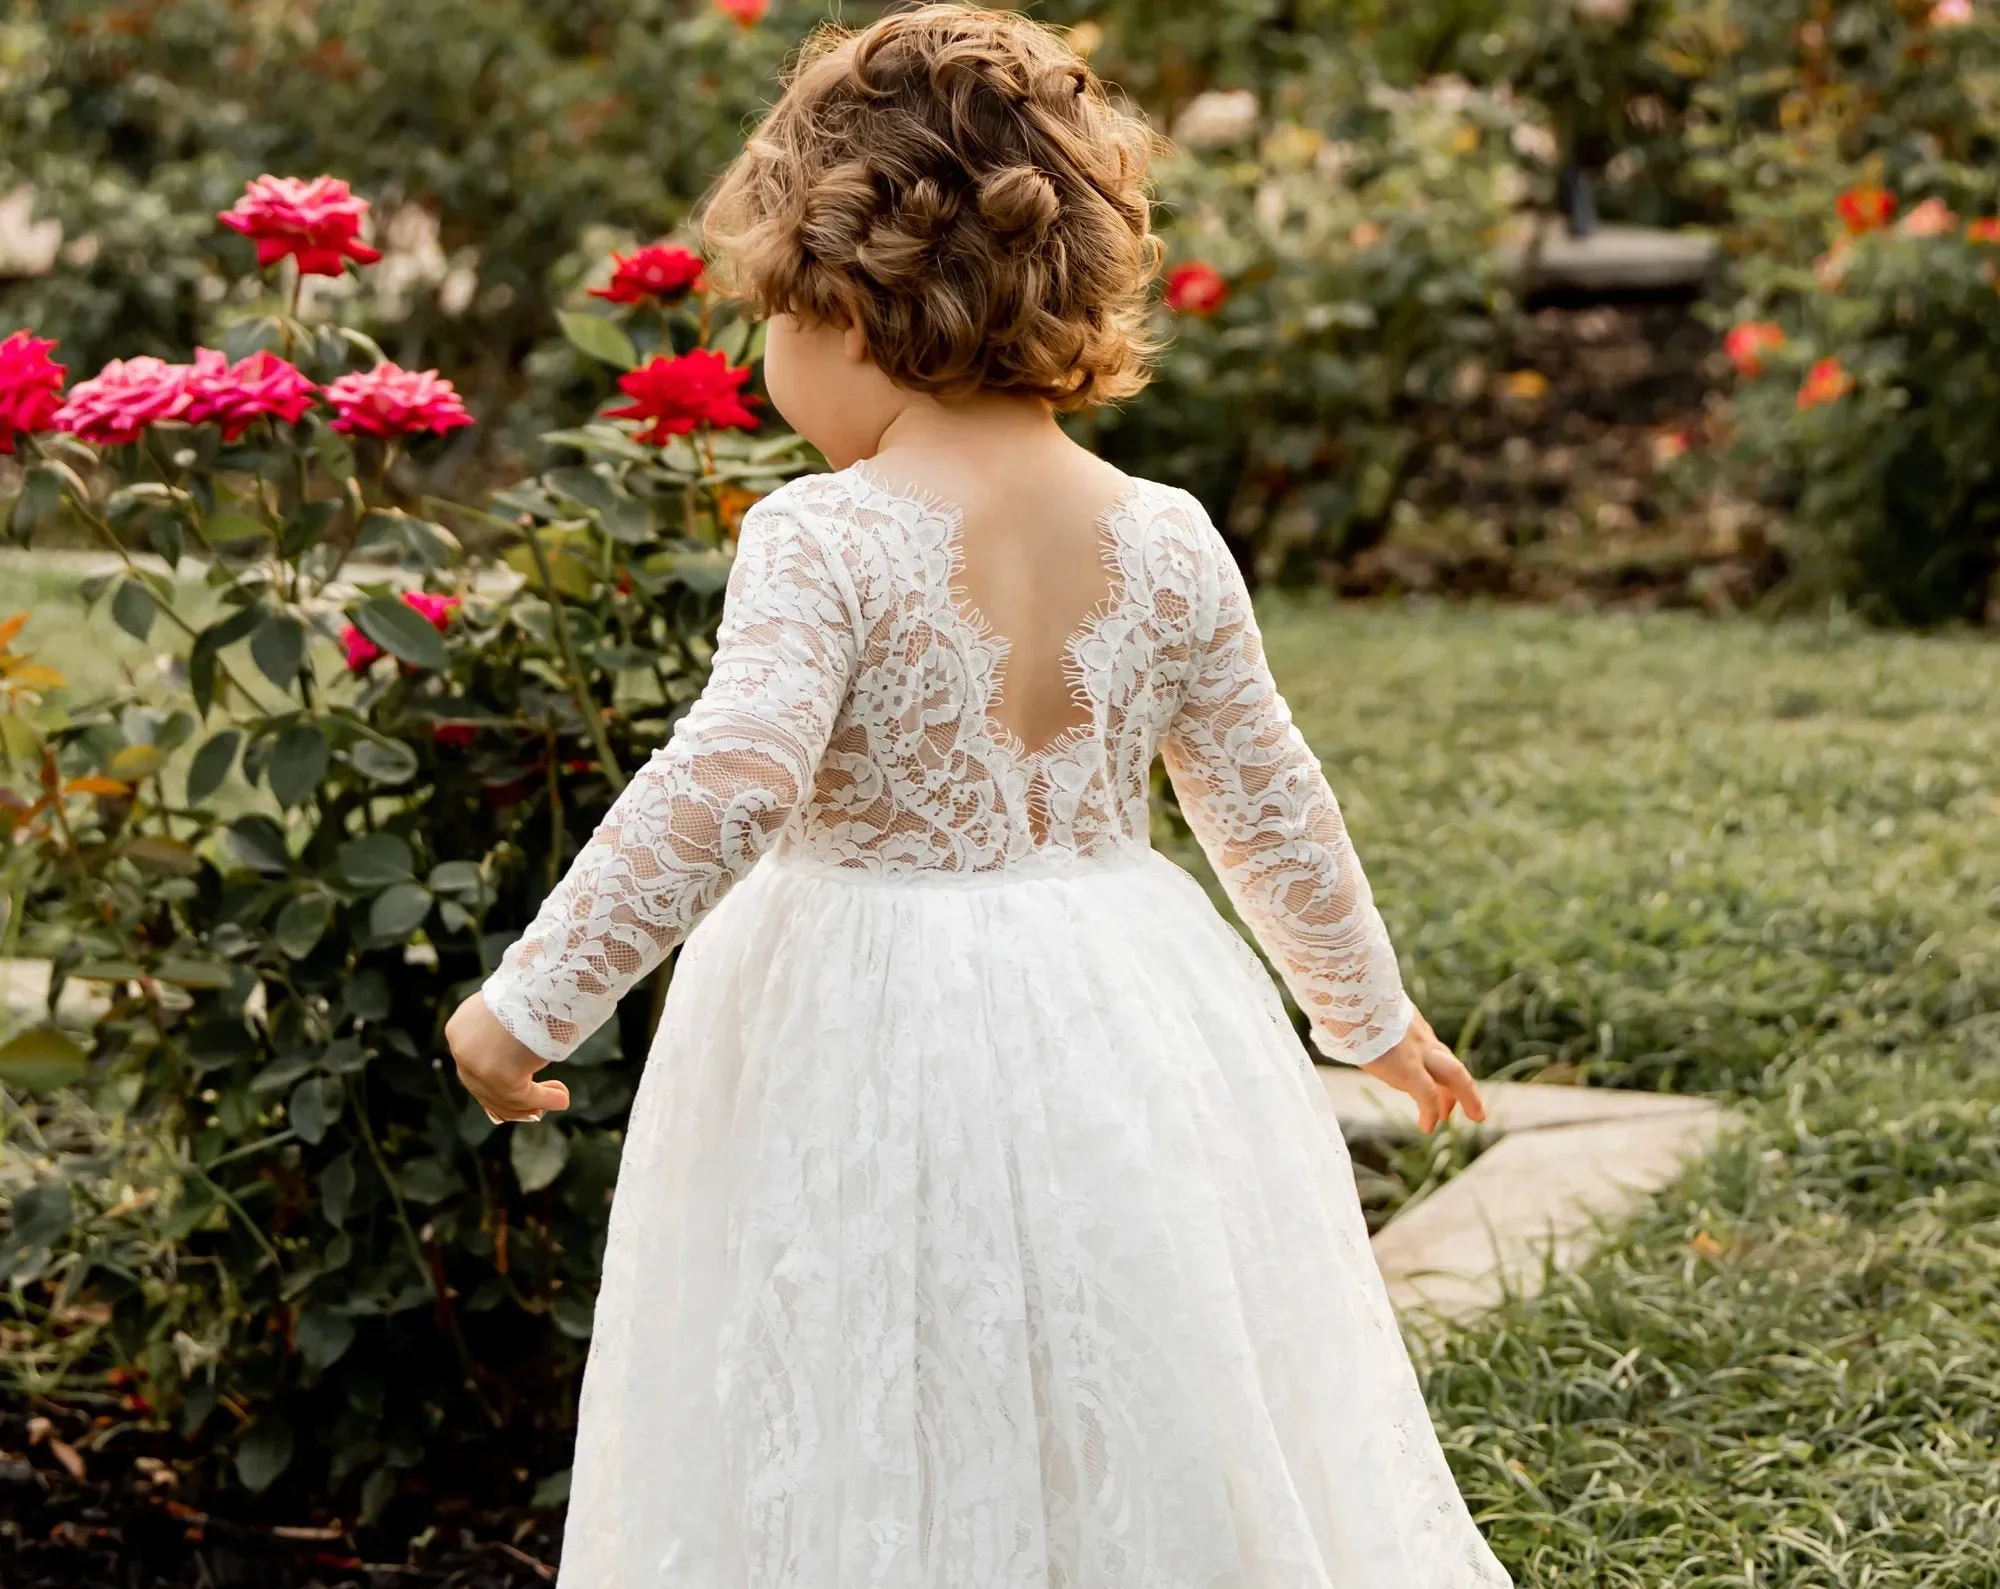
[593,720]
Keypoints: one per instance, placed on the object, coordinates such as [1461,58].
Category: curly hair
[958,183]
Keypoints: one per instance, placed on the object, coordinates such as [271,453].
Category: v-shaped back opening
[1063,658]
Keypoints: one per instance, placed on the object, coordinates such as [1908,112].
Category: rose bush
[285,853]
[1336,276]
[1872,413]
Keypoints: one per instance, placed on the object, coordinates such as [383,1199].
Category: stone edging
[1565,1162]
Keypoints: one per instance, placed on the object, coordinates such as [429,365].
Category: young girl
[981,1224]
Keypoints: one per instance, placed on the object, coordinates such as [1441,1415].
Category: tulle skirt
[986,1233]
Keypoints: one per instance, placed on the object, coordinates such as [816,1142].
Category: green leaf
[211,765]
[336,1189]
[367,996]
[376,1494]
[105,971]
[297,762]
[323,1336]
[425,1180]
[585,486]
[539,1151]
[43,1215]
[134,607]
[157,853]
[602,440]
[42,1059]
[455,877]
[278,647]
[314,1105]
[301,925]
[376,860]
[185,971]
[239,534]
[552,1491]
[265,1453]
[402,632]
[599,338]
[259,843]
[732,340]
[336,453]
[572,1313]
[383,761]
[399,910]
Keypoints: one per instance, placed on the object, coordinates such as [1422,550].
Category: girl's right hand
[1423,1067]
[498,1069]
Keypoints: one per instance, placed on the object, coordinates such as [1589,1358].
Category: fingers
[515,1105]
[1429,1101]
[1459,1084]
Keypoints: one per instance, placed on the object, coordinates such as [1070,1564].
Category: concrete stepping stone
[1563,1165]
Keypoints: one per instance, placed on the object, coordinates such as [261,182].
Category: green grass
[1758,862]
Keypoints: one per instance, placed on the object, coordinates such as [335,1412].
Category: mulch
[105,1503]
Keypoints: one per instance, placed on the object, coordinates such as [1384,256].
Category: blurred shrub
[1337,272]
[1855,146]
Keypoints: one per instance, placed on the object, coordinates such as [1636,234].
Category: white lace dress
[981,1223]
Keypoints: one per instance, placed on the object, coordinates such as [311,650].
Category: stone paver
[1565,1163]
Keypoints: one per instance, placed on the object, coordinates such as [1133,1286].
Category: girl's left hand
[498,1068]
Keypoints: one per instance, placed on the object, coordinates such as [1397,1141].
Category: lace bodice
[848,721]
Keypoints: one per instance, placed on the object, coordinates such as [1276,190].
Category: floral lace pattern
[849,721]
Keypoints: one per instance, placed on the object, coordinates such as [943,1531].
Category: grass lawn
[1750,861]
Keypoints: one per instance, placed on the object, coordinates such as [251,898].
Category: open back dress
[981,1223]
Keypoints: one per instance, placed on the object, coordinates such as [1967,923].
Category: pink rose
[316,222]
[388,401]
[434,610]
[361,651]
[235,396]
[117,404]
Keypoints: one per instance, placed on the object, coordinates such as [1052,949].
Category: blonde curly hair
[959,183]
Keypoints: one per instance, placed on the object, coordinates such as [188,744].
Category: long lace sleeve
[1257,800]
[706,805]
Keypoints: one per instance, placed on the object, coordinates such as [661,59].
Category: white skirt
[987,1232]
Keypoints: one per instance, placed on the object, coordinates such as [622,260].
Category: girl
[981,1224]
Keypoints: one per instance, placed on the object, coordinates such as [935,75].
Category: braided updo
[958,183]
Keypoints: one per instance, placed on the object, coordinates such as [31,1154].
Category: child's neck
[980,422]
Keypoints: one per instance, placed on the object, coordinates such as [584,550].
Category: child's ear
[854,342]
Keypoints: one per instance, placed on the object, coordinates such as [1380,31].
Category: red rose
[389,401]
[670,396]
[1826,382]
[747,13]
[316,222]
[454,736]
[1984,230]
[660,271]
[360,650]
[117,404]
[1196,289]
[31,386]
[1865,208]
[235,396]
[1747,344]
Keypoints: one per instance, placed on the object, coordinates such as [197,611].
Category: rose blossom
[359,648]
[389,401]
[117,404]
[1196,289]
[31,386]
[1826,382]
[316,222]
[662,270]
[746,13]
[1984,230]
[1865,207]
[1747,344]
[235,396]
[454,736]
[1951,14]
[673,395]
[1932,218]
